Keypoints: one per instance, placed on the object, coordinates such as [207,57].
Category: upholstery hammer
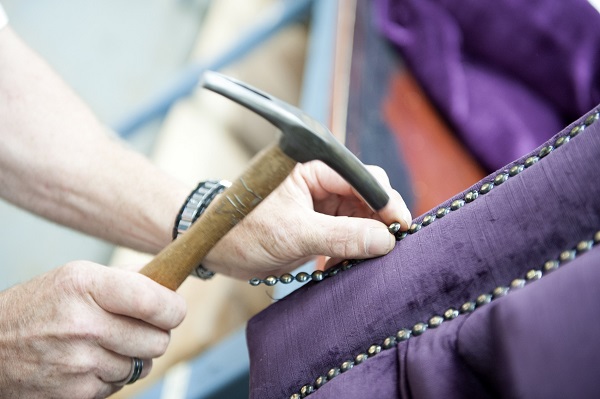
[302,139]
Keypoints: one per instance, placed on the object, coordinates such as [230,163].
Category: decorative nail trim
[435,321]
[439,213]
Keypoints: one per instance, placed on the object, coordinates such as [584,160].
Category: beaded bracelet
[195,204]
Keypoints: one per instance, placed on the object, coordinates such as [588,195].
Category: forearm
[58,161]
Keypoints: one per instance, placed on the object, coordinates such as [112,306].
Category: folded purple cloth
[457,277]
[506,74]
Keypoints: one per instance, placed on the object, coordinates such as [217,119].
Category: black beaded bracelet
[195,204]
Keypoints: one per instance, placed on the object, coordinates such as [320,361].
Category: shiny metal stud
[317,275]
[361,357]
[435,321]
[332,373]
[501,178]
[486,188]
[306,390]
[531,160]
[467,307]
[584,246]
[457,204]
[401,236]
[271,281]
[403,335]
[440,213]
[592,118]
[561,140]
[419,329]
[517,283]
[545,151]
[389,342]
[255,281]
[320,381]
[347,265]
[451,314]
[533,275]
[471,196]
[499,292]
[394,228]
[483,299]
[302,277]
[347,365]
[576,130]
[515,170]
[286,278]
[414,228]
[333,271]
[373,350]
[551,265]
[567,256]
[296,396]
[597,238]
[427,220]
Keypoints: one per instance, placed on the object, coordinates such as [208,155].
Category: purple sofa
[492,294]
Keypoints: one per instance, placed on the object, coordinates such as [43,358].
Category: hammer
[302,139]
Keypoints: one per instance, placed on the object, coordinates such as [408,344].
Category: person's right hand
[72,332]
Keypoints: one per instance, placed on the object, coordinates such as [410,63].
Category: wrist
[191,210]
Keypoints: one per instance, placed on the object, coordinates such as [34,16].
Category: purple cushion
[505,74]
[529,343]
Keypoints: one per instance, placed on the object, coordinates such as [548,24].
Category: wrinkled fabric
[506,74]
[539,341]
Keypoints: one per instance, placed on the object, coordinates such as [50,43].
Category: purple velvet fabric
[505,73]
[539,341]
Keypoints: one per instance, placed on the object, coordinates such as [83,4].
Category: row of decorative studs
[471,196]
[450,314]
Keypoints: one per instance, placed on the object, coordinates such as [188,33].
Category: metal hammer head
[303,138]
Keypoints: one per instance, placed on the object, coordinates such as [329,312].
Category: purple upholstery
[538,341]
[506,74]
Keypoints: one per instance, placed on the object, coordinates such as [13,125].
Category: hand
[72,332]
[313,212]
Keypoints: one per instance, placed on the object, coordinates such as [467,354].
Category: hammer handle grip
[181,257]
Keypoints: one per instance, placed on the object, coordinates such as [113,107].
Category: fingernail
[379,241]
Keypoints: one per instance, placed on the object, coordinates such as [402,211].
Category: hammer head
[303,138]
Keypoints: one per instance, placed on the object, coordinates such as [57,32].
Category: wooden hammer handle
[180,258]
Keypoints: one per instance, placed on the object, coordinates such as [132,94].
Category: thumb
[348,237]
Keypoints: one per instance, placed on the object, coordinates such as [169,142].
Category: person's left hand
[313,212]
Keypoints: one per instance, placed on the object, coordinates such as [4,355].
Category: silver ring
[137,365]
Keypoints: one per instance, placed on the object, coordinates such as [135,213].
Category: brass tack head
[545,151]
[457,204]
[296,396]
[561,140]
[576,130]
[440,213]
[373,350]
[427,220]
[517,283]
[435,321]
[467,307]
[255,281]
[332,373]
[566,256]
[533,275]
[271,281]
[419,329]
[361,357]
[286,278]
[531,160]
[483,299]
[389,342]
[585,246]
[302,277]
[515,170]
[592,118]
[451,314]
[501,178]
[347,365]
[414,228]
[486,188]
[320,381]
[471,196]
[403,334]
[394,228]
[597,237]
[499,292]
[551,265]
[317,275]
[306,390]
